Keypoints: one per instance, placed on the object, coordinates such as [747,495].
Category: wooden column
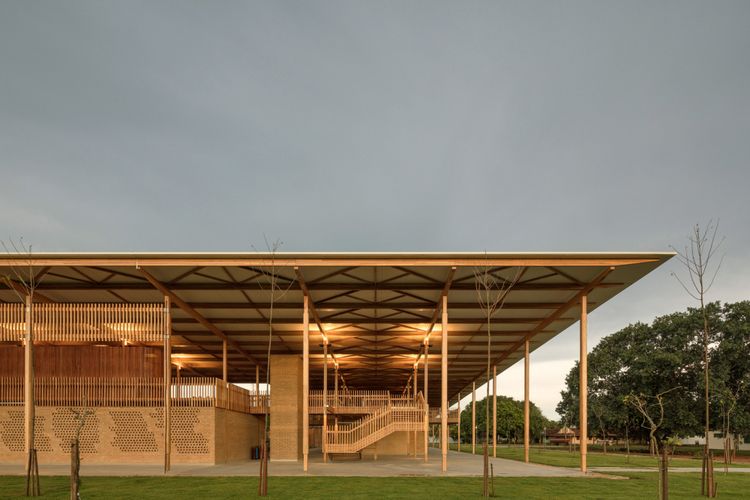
[583,383]
[473,418]
[167,385]
[224,362]
[426,399]
[335,384]
[416,380]
[494,411]
[258,398]
[459,422]
[325,400]
[444,387]
[257,382]
[526,409]
[415,399]
[28,380]
[305,382]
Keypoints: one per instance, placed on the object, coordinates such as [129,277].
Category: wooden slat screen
[99,322]
[12,322]
[122,392]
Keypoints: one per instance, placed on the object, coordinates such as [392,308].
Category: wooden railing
[12,322]
[86,322]
[405,414]
[436,415]
[361,401]
[236,398]
[99,392]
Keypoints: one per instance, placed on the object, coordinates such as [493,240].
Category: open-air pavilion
[367,349]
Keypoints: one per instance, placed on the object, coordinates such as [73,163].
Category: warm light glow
[125,327]
[183,356]
[13,327]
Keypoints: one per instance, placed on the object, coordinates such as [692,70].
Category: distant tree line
[509,421]
[666,357]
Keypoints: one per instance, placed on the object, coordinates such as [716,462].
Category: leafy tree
[666,357]
[509,420]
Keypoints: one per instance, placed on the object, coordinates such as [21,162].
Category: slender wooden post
[224,362]
[305,381]
[459,422]
[416,372]
[526,409]
[444,387]
[257,383]
[494,411]
[325,400]
[426,399]
[28,381]
[259,403]
[167,385]
[583,383]
[473,418]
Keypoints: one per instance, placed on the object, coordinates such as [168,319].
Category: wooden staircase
[398,415]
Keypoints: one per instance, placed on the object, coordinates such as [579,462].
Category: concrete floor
[459,464]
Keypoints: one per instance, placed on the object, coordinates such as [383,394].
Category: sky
[384,126]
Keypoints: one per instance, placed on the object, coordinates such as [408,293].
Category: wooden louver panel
[99,322]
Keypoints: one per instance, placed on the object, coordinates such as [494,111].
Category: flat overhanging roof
[375,309]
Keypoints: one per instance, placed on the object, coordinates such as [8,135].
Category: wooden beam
[196,315]
[403,321]
[22,291]
[556,315]
[388,304]
[322,287]
[284,260]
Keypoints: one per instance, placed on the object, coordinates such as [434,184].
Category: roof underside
[375,309]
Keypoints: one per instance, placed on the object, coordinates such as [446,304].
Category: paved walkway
[459,464]
[717,470]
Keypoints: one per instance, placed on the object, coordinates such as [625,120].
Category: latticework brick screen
[113,435]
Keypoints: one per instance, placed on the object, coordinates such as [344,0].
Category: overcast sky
[460,125]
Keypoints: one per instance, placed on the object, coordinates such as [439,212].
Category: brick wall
[110,435]
[286,407]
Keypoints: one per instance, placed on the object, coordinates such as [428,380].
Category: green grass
[561,457]
[639,484]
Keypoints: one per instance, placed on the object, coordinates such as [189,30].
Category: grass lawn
[563,458]
[642,484]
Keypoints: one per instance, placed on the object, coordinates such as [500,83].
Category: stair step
[346,457]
